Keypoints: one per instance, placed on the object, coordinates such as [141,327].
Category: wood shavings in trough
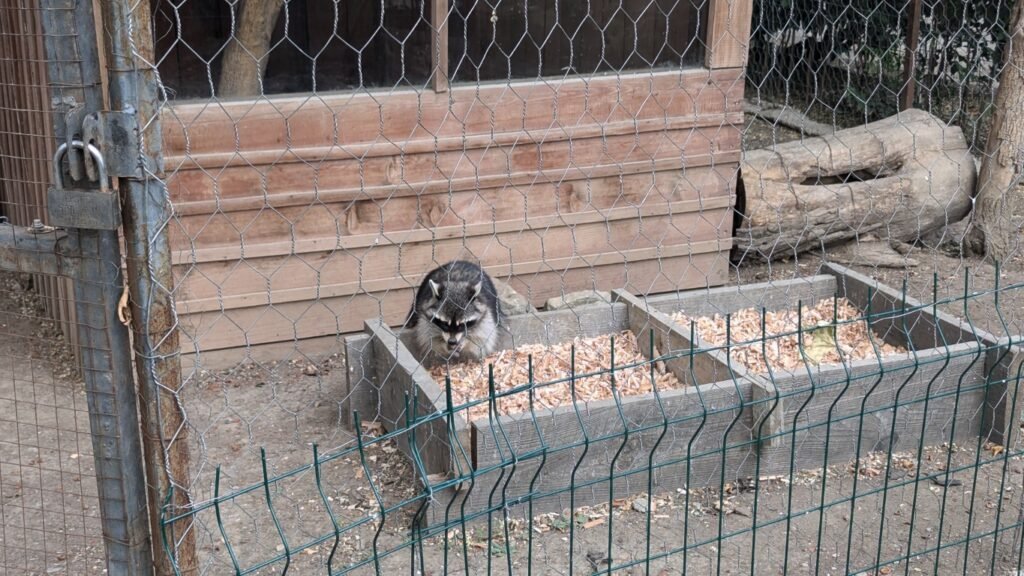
[550,363]
[846,341]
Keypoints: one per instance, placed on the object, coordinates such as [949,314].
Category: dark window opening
[323,45]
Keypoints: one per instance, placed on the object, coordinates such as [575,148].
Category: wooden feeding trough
[725,421]
[578,445]
[947,381]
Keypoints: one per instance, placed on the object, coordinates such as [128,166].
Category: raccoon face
[454,333]
[456,316]
[456,313]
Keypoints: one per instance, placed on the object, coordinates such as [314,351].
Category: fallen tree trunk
[896,179]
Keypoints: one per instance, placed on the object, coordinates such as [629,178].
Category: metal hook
[94,152]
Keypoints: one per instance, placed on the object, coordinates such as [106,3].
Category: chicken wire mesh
[845,65]
[319,158]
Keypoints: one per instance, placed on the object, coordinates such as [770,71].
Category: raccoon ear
[475,289]
[435,288]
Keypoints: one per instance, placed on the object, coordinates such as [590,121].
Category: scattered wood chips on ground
[550,363]
[823,343]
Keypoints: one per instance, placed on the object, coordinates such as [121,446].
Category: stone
[512,303]
[582,298]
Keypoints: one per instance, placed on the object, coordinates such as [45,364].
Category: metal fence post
[134,87]
[93,258]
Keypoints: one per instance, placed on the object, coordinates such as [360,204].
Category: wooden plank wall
[27,141]
[299,217]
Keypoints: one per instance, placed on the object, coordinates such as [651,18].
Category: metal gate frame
[139,440]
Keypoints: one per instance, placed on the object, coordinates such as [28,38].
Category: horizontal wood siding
[301,217]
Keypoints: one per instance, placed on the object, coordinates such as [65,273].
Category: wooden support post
[910,58]
[1003,371]
[398,373]
[728,33]
[362,392]
[439,45]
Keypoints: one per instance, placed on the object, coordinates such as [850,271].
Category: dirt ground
[886,516]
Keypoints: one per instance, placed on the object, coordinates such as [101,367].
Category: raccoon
[456,314]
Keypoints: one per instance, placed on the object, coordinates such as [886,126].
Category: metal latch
[117,133]
[81,207]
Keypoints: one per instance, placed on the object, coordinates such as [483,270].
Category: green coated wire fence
[293,171]
[906,460]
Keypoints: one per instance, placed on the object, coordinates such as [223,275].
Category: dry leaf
[819,342]
[594,522]
[997,449]
[375,428]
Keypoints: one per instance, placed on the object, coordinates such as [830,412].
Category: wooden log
[897,178]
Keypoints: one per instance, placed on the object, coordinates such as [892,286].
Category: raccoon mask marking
[456,313]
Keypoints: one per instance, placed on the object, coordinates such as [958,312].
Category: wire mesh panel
[322,158]
[50,507]
[662,191]
[49,504]
[844,65]
[27,144]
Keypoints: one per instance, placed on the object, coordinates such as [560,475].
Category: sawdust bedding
[823,344]
[551,363]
